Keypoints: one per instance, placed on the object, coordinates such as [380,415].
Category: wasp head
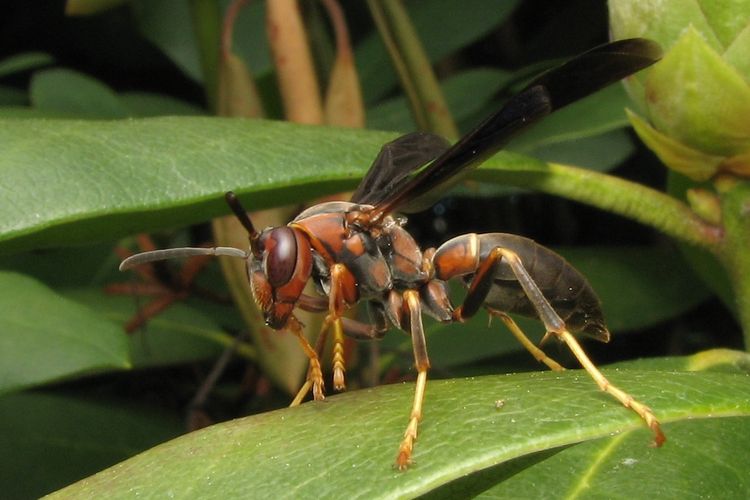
[279,266]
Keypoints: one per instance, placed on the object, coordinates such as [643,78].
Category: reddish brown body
[379,263]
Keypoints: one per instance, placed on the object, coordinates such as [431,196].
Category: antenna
[177,253]
[241,214]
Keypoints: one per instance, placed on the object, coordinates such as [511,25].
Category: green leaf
[24,62]
[677,156]
[48,441]
[15,111]
[68,182]
[588,133]
[169,26]
[45,337]
[180,334]
[698,99]
[619,467]
[67,92]
[291,452]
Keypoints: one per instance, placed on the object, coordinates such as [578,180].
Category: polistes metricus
[356,251]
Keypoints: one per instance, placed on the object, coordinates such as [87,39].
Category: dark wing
[573,80]
[396,161]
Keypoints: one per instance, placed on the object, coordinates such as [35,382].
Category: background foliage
[105,130]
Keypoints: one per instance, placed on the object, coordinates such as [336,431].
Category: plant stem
[413,67]
[643,204]
[735,251]
[206,17]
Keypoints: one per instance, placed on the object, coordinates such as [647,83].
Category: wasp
[359,251]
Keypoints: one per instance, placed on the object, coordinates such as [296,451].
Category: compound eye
[281,256]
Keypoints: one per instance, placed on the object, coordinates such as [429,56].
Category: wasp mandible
[359,251]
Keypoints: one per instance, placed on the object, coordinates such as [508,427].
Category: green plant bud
[706,204]
[697,99]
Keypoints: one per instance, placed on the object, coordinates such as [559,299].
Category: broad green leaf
[45,337]
[67,92]
[24,62]
[588,133]
[68,182]
[292,452]
[48,441]
[622,468]
[69,267]
[180,334]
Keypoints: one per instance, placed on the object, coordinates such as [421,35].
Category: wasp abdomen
[566,289]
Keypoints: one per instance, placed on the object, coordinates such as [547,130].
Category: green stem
[206,16]
[643,204]
[735,251]
[413,67]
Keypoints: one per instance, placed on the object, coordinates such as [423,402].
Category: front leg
[315,373]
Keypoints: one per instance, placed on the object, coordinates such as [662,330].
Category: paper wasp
[357,251]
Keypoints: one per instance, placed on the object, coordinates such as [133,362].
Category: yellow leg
[403,460]
[301,393]
[538,354]
[315,373]
[623,397]
[339,367]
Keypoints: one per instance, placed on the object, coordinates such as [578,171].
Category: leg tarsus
[315,373]
[605,385]
[339,367]
[404,460]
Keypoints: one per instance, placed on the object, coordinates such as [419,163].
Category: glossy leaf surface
[345,447]
[45,337]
